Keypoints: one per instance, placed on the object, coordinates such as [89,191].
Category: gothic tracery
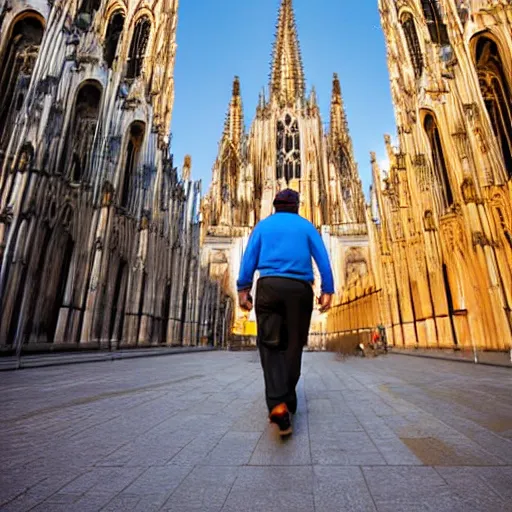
[112,36]
[76,156]
[413,44]
[138,47]
[288,164]
[495,89]
[16,68]
[439,161]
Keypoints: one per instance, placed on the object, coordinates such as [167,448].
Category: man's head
[287,201]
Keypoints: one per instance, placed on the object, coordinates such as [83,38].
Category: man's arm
[249,261]
[319,253]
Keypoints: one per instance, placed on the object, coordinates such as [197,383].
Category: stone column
[101,221]
[148,298]
[173,328]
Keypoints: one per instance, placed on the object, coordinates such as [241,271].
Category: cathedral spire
[343,155]
[234,124]
[287,76]
[339,124]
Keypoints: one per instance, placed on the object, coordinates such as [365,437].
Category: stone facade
[286,147]
[442,238]
[99,232]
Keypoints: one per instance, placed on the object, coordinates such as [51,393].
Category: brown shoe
[281,417]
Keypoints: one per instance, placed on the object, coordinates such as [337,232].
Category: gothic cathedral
[286,147]
[104,243]
[442,234]
[99,232]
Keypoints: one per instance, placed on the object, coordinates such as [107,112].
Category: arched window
[413,44]
[61,262]
[114,30]
[138,47]
[288,164]
[436,27]
[496,94]
[438,160]
[16,68]
[78,147]
[86,12]
[133,149]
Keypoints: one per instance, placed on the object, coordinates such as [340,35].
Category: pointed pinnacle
[236,86]
[287,75]
[336,87]
[312,96]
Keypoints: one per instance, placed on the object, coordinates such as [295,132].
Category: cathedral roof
[287,75]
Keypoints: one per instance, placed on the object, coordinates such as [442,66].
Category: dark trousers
[283,313]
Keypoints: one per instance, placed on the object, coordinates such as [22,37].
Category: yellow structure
[442,239]
[286,147]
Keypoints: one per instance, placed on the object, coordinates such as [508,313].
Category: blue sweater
[282,245]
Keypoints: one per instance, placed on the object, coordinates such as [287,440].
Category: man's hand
[325,302]
[245,300]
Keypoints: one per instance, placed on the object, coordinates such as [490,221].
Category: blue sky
[218,40]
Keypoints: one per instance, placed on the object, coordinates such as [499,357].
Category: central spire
[287,77]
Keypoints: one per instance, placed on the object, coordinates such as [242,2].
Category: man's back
[285,246]
[282,245]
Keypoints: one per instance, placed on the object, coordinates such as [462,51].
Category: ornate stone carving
[7,214]
[480,239]
[398,227]
[145,220]
[428,221]
[218,257]
[468,189]
[472,112]
[108,194]
[481,139]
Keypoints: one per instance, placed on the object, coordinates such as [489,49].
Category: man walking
[281,247]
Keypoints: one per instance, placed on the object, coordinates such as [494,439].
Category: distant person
[281,247]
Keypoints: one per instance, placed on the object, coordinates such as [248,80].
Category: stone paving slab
[190,433]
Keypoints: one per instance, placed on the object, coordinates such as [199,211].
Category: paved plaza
[189,432]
